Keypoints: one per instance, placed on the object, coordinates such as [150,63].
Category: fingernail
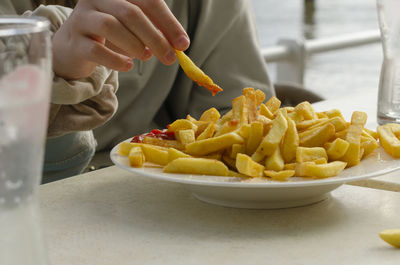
[146,54]
[182,43]
[170,57]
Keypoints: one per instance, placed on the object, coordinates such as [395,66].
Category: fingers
[165,21]
[133,28]
[141,26]
[110,28]
[98,53]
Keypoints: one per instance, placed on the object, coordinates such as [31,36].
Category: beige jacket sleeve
[83,104]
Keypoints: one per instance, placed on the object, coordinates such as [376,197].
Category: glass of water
[389,84]
[25,78]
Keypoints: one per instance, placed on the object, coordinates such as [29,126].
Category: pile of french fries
[256,139]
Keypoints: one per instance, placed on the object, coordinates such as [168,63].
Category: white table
[113,217]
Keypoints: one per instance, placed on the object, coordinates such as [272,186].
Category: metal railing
[290,55]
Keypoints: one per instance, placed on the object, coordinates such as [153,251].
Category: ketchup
[160,134]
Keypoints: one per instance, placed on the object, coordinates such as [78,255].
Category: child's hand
[112,32]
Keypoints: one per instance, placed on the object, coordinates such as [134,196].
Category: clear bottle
[389,84]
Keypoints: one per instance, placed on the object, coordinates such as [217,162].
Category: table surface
[111,216]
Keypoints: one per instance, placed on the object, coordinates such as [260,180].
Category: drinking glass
[25,78]
[389,84]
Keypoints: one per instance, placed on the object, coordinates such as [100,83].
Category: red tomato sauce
[160,134]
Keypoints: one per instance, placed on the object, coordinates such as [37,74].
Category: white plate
[265,194]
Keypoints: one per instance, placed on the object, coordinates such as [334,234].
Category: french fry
[199,166]
[275,161]
[240,111]
[321,115]
[311,169]
[264,120]
[190,118]
[226,117]
[232,173]
[175,154]
[251,103]
[201,126]
[237,149]
[136,157]
[210,115]
[295,116]
[273,138]
[228,127]
[210,145]
[248,167]
[306,124]
[290,142]
[255,137]
[318,137]
[389,141]
[266,112]
[273,104]
[196,74]
[125,147]
[341,134]
[244,131]
[216,156]
[305,110]
[186,136]
[391,236]
[374,134]
[339,123]
[230,162]
[289,166]
[182,124]
[260,96]
[164,143]
[337,149]
[310,154]
[288,109]
[207,133]
[368,145]
[279,175]
[267,123]
[155,155]
[353,137]
[152,153]
[333,113]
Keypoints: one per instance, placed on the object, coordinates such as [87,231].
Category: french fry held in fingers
[262,140]
[196,74]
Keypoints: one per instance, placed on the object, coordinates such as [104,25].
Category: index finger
[162,17]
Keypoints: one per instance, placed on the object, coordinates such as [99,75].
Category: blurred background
[346,71]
